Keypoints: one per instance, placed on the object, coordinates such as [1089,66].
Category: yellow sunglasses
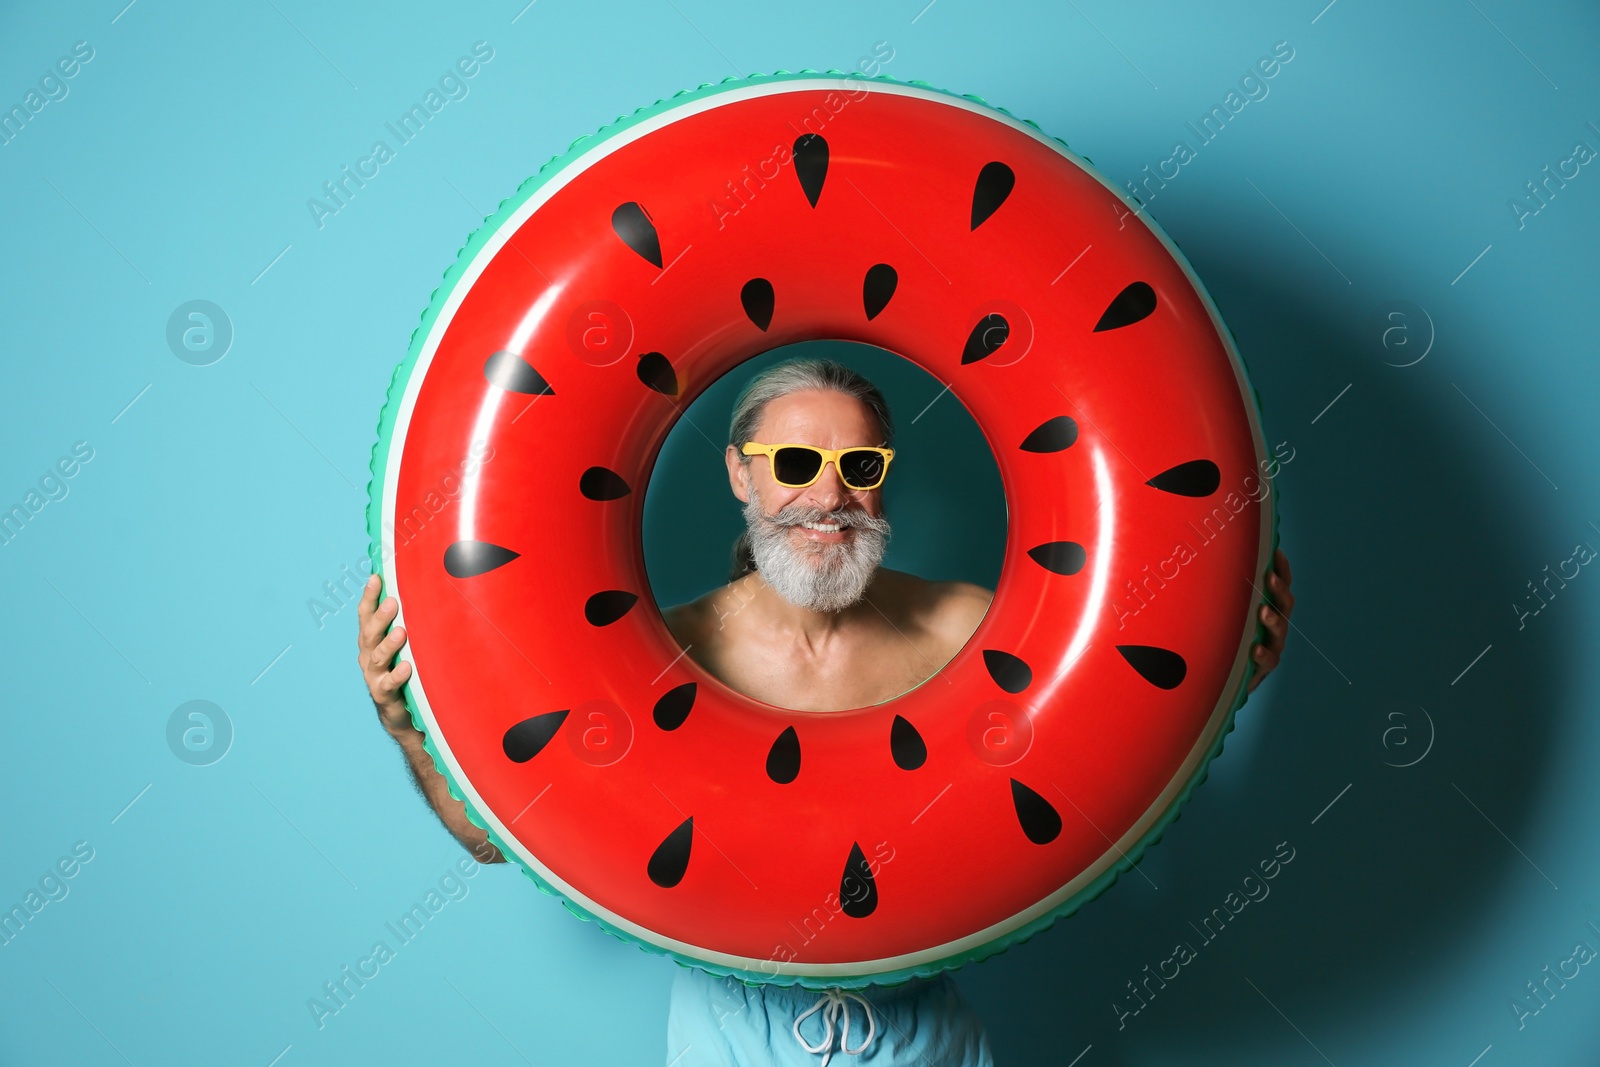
[797,466]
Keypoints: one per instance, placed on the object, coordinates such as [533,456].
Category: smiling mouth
[823,534]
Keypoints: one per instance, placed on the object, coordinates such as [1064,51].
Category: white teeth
[823,527]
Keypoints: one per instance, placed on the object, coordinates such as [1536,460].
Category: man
[808,621]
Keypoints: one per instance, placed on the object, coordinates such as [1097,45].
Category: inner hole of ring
[942,497]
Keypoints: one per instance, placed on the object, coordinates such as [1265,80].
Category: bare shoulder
[959,607]
[695,622]
[951,609]
[687,621]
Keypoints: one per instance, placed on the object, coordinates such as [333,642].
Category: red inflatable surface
[590,312]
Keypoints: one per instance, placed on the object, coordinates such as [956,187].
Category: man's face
[820,545]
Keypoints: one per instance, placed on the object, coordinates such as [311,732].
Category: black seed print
[468,559]
[602,483]
[656,372]
[1008,672]
[1039,820]
[606,607]
[783,760]
[514,374]
[1161,667]
[858,891]
[995,182]
[671,858]
[878,289]
[673,707]
[758,300]
[1062,557]
[637,231]
[906,745]
[1052,435]
[1198,477]
[986,338]
[527,738]
[811,165]
[1135,302]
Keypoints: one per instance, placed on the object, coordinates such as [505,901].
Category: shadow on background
[1396,497]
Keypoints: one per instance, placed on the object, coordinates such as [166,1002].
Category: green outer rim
[380,453]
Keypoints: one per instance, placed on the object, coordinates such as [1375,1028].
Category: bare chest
[849,674]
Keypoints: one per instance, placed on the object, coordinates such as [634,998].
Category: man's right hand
[379,645]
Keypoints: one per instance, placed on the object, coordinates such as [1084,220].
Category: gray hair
[793,376]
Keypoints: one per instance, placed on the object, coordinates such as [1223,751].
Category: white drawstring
[833,1004]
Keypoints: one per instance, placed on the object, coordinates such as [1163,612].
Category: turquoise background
[1379,167]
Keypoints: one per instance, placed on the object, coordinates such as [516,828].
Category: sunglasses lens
[861,469]
[795,466]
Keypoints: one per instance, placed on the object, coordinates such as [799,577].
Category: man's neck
[811,630]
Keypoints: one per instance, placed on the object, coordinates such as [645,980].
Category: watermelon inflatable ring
[883,843]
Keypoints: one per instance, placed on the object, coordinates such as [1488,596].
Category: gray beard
[821,577]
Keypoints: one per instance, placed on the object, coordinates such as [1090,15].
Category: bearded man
[809,620]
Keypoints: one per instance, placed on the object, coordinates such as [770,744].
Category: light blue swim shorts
[721,1022]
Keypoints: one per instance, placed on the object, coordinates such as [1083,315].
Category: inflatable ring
[854,847]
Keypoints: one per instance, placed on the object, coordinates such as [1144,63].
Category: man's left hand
[1276,620]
